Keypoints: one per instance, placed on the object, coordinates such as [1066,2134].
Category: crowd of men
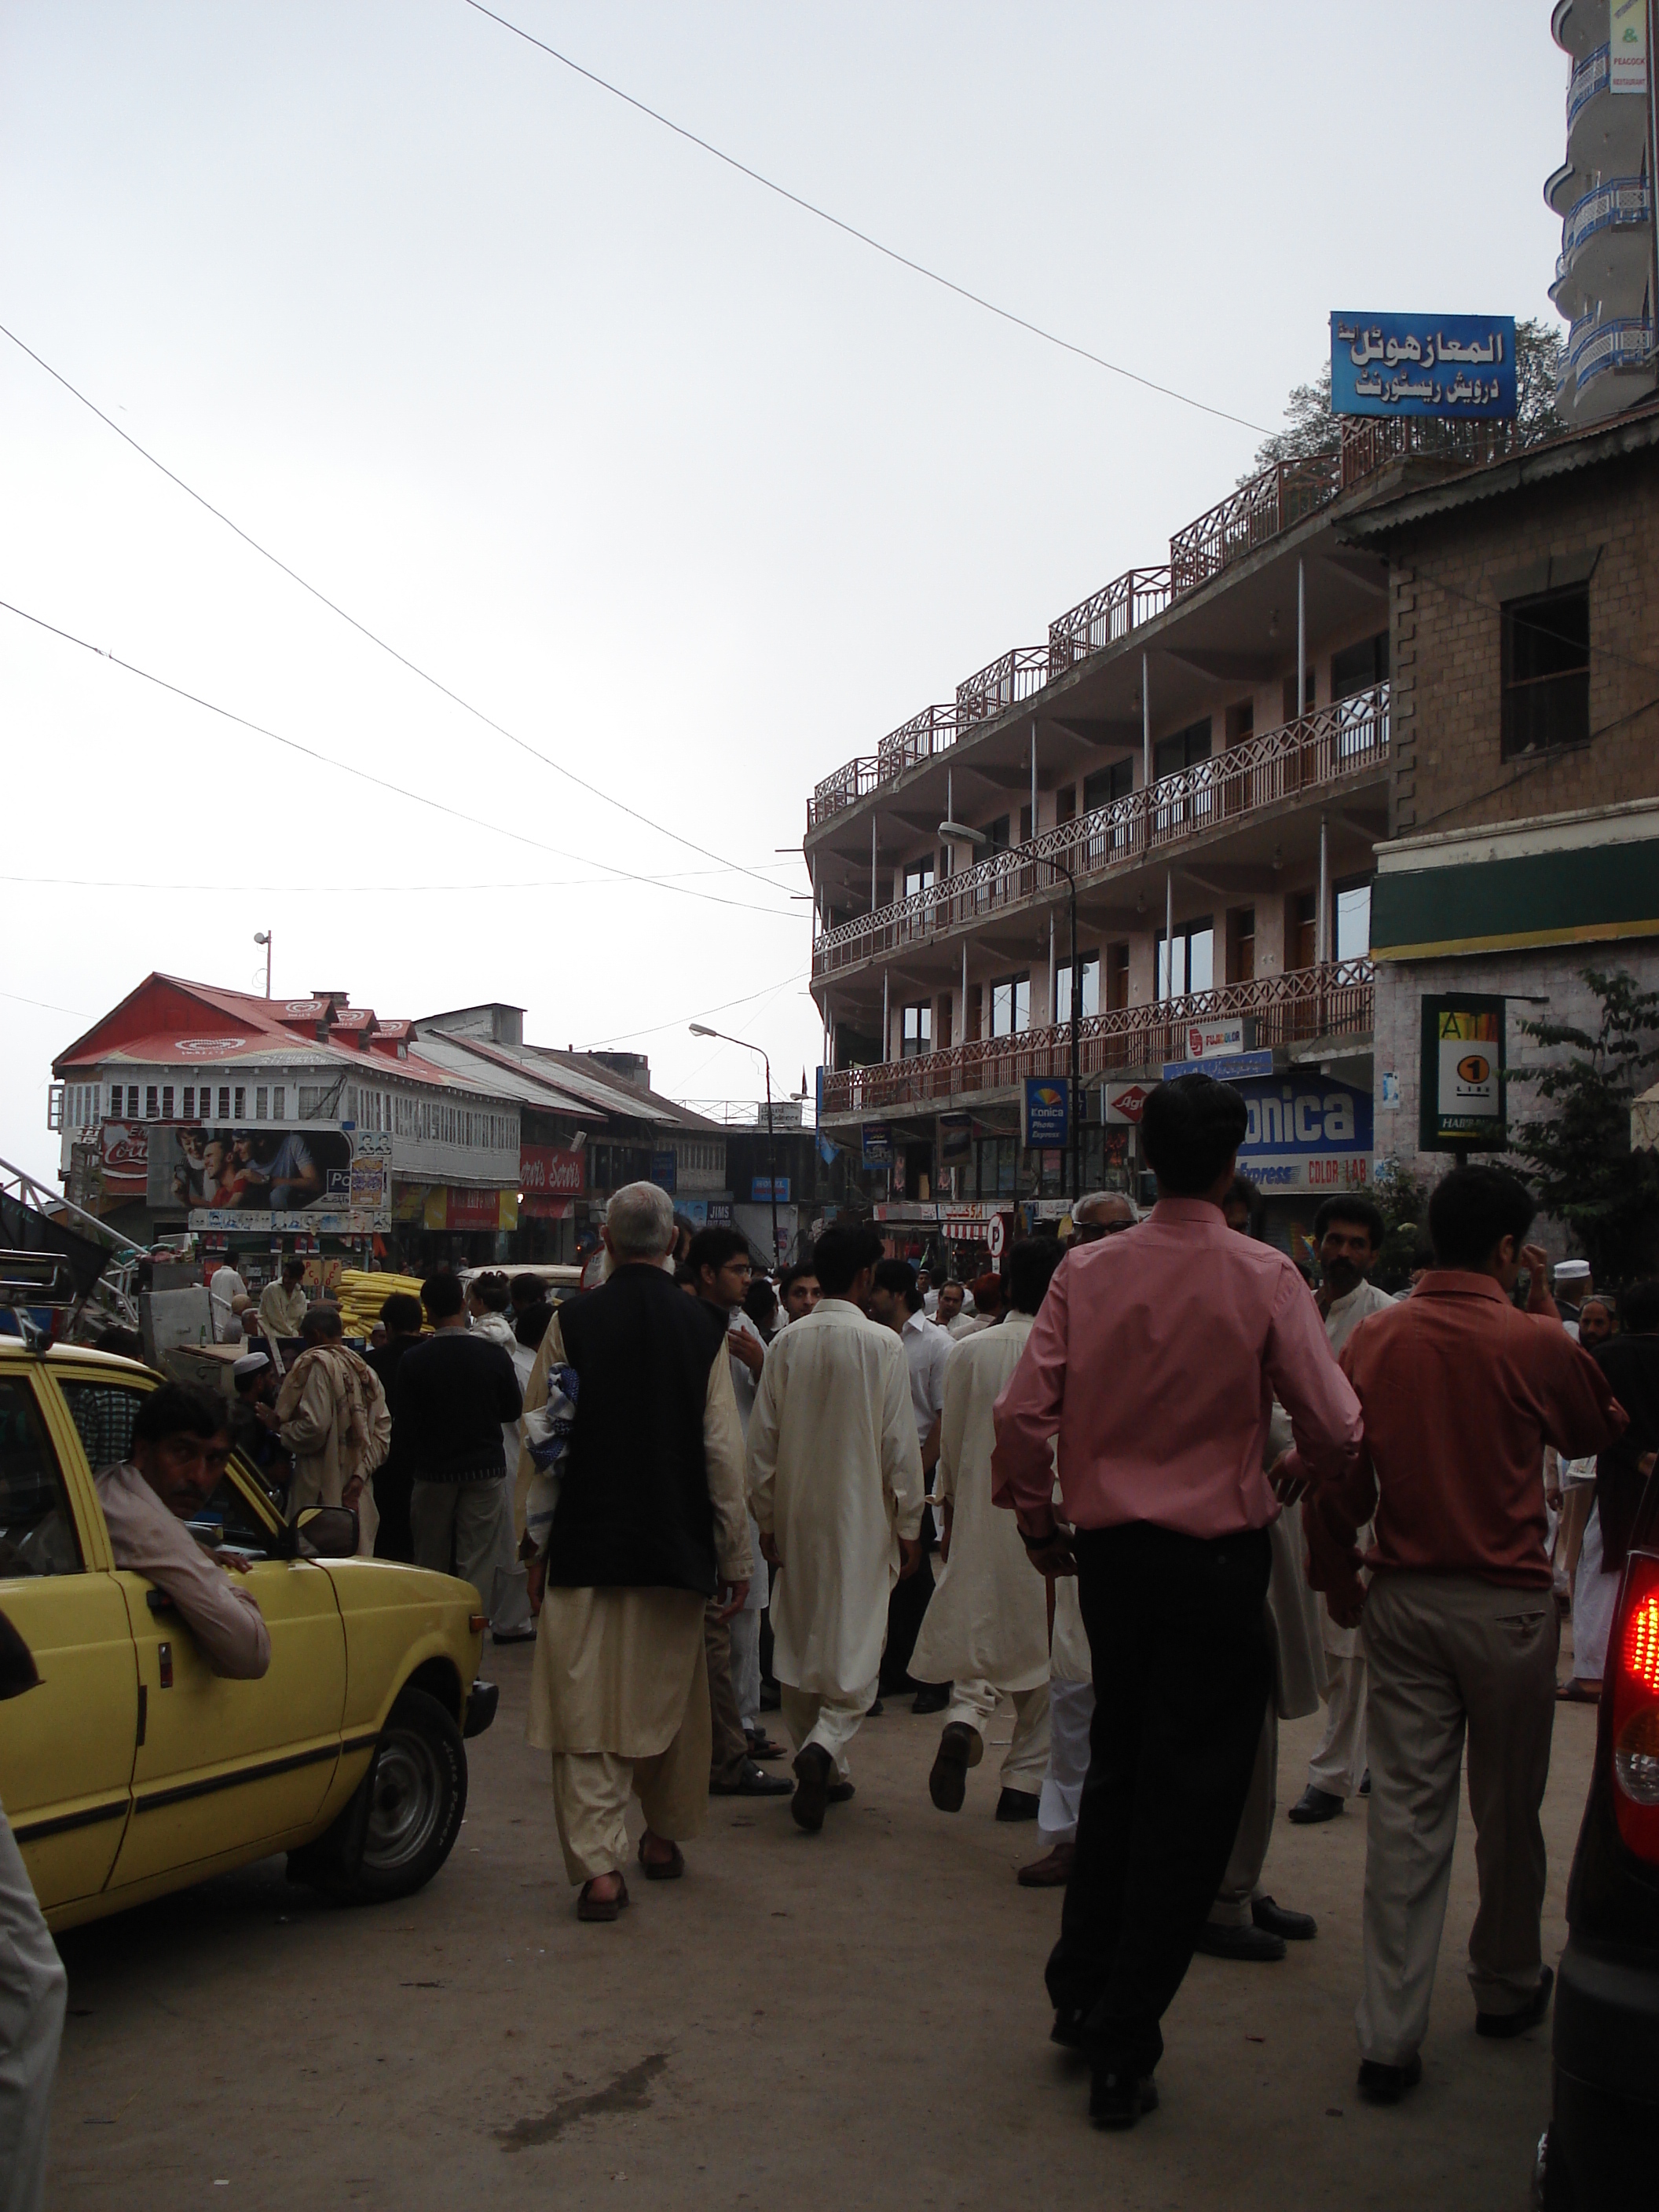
[1147,1487]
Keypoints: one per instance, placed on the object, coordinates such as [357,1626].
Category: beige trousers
[1339,1765]
[832,1721]
[1450,1654]
[975,1702]
[591,1790]
[1240,1883]
[32,1990]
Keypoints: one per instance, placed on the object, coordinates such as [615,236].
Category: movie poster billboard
[318,1178]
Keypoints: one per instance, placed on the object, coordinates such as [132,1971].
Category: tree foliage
[1579,1155]
[1311,428]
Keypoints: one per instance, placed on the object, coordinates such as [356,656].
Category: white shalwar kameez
[986,1630]
[835,1479]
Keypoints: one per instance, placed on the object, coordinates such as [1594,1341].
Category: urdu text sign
[1461,368]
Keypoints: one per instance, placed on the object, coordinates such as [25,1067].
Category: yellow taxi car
[132,1770]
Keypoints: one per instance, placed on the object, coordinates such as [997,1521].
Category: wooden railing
[1013,675]
[1331,1000]
[931,732]
[1106,616]
[1251,515]
[1325,747]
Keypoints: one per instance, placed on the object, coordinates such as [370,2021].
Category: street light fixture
[263,937]
[697,1029]
[958,833]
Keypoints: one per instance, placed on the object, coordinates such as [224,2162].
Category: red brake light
[1635,1715]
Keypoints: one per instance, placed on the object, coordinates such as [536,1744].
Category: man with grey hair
[636,1520]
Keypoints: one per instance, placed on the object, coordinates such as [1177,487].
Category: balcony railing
[1625,343]
[1248,518]
[1323,748]
[1620,204]
[1334,999]
[1589,78]
[1106,616]
[1013,675]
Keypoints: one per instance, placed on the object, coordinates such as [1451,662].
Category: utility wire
[380,782]
[625,1036]
[414,667]
[891,252]
[378,891]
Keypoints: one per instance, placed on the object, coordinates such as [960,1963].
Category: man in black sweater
[454,1391]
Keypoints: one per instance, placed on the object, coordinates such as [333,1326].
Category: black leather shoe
[959,1747]
[1294,1926]
[838,1793]
[753,1783]
[933,1699]
[1364,1789]
[1117,2100]
[1314,1805]
[1386,2085]
[812,1772]
[1067,2030]
[1255,1946]
[1504,2024]
[1018,1805]
[875,1711]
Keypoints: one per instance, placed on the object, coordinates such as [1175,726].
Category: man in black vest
[639,1519]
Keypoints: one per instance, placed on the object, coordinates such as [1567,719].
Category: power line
[766,991]
[386,891]
[380,782]
[891,252]
[558,768]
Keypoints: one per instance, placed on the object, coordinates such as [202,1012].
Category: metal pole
[1033,819]
[1323,934]
[961,1018]
[1077,1017]
[1653,175]
[1301,643]
[1145,723]
[872,864]
[886,1021]
[771,1161]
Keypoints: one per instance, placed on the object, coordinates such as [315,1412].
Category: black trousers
[393,1539]
[1182,1670]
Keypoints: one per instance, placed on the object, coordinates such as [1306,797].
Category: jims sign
[1306,1132]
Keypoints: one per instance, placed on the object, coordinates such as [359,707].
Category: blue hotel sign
[1461,368]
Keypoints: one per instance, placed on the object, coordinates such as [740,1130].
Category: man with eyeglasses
[1103,1213]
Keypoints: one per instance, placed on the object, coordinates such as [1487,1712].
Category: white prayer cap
[1572,1271]
[249,1364]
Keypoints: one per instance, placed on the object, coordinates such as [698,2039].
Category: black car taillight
[1635,1716]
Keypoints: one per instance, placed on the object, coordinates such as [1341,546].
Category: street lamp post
[697,1030]
[263,937]
[958,833]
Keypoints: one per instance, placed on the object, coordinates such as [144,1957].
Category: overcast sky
[693,492]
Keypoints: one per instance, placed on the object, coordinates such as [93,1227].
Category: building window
[1354,920]
[151,1107]
[1011,1006]
[278,1102]
[1025,825]
[1088,963]
[1108,784]
[1302,932]
[919,878]
[918,1030]
[998,1167]
[239,1109]
[1172,755]
[132,1102]
[1359,667]
[1195,961]
[1242,925]
[1117,977]
[166,1102]
[1546,671]
[261,1100]
[996,834]
[1240,721]
[1066,802]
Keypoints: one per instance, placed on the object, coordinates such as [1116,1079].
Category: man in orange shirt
[1460,1393]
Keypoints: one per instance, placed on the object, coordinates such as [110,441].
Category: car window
[103,1413]
[37,1528]
[231,1518]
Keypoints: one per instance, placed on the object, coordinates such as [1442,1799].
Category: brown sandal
[1573,1692]
[589,1907]
[668,1869]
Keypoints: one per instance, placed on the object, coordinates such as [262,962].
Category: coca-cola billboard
[126,1153]
[549,1171]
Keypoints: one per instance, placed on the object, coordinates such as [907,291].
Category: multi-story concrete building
[1605,278]
[1216,796]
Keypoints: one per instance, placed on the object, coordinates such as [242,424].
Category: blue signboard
[662,1171]
[1046,1121]
[1227,1069]
[1458,367]
[877,1145]
[1307,1132]
[761,1192]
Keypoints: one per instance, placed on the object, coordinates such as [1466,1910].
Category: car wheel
[407,1811]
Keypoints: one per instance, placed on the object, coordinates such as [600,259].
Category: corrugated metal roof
[1637,432]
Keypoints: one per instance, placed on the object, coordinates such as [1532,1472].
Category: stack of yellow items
[362,1294]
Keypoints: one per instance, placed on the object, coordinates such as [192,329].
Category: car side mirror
[321,1532]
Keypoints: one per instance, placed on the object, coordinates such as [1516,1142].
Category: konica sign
[1306,1132]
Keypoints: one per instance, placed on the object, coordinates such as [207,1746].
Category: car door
[66,1748]
[224,1766]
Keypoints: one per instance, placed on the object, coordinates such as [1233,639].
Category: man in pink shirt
[1155,1361]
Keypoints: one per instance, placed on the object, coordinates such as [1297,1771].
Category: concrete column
[887,1052]
[874,902]
[1168,935]
[962,1016]
[1034,778]
[1053,1013]
[1301,641]
[1323,932]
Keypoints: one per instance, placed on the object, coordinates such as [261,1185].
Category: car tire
[404,1817]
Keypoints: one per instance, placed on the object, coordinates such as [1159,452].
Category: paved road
[853,2020]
